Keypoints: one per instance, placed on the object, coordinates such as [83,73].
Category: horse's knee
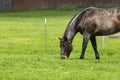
[84,46]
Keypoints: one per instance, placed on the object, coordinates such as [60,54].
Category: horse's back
[101,21]
[107,22]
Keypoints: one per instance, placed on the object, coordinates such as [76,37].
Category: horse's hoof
[97,58]
[81,57]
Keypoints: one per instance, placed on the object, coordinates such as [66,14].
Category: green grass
[23,56]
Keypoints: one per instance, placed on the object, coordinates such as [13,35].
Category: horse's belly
[107,28]
[107,32]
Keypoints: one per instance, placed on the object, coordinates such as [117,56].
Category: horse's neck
[71,28]
[70,32]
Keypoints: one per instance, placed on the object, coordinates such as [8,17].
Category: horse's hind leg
[86,37]
[94,45]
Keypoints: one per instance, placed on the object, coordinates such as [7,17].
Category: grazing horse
[90,22]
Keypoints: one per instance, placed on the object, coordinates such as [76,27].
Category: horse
[90,22]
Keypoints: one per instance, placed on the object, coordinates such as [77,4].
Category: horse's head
[66,47]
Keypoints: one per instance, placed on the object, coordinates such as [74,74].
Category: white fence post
[45,22]
[102,41]
[110,36]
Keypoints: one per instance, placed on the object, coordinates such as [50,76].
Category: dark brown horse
[90,22]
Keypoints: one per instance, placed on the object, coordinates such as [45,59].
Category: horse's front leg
[94,45]
[86,37]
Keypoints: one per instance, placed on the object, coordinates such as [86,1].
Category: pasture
[23,56]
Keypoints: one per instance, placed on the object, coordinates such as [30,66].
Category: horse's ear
[59,38]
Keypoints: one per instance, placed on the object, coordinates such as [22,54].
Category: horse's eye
[63,45]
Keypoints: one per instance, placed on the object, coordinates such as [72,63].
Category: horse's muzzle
[64,57]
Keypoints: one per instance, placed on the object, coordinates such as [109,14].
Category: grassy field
[23,56]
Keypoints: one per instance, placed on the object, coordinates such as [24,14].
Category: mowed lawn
[23,55]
